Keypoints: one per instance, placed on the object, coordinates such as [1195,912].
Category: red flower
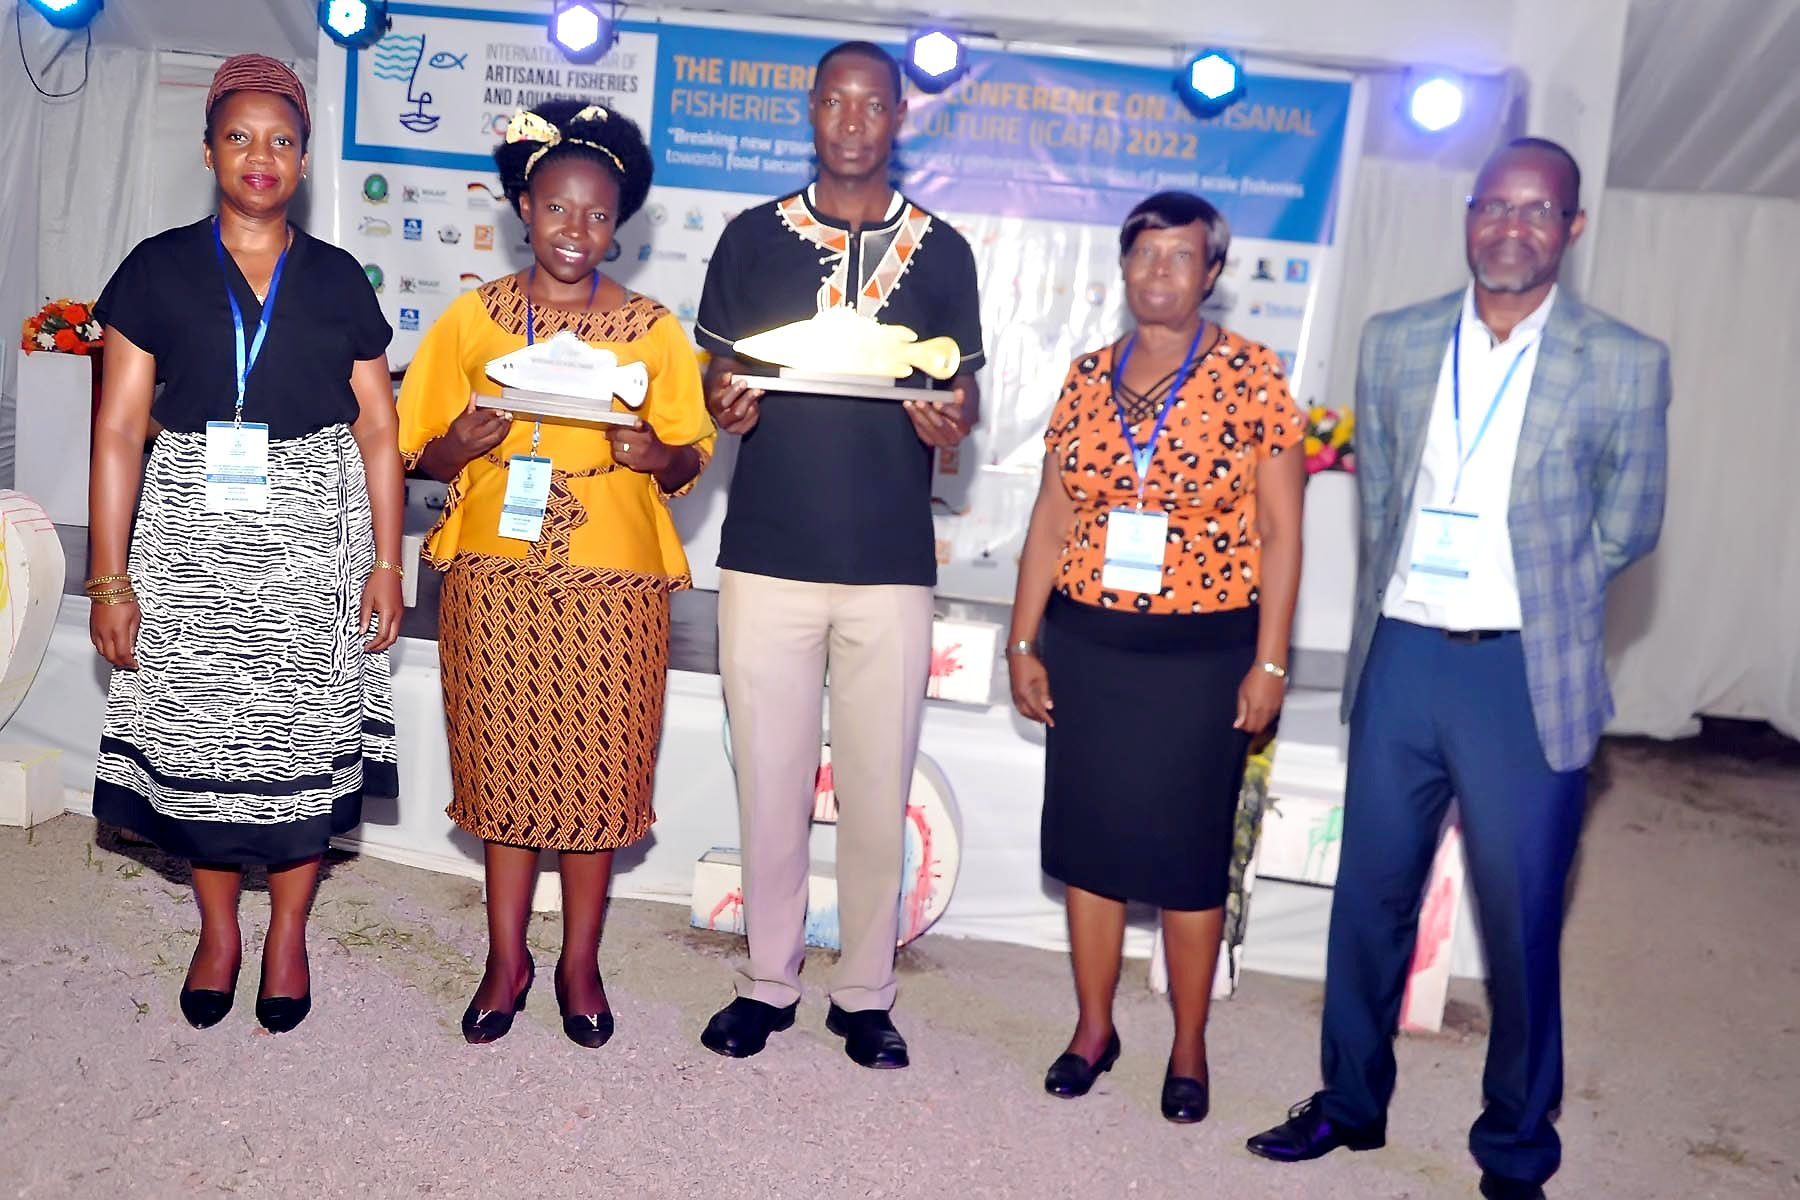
[66,341]
[75,314]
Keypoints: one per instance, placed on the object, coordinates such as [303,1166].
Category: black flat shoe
[1308,1134]
[592,1030]
[870,1038]
[279,1014]
[1500,1187]
[1184,1101]
[742,1028]
[1072,1075]
[204,1007]
[483,1025]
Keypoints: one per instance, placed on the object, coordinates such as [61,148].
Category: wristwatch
[1022,646]
[1275,669]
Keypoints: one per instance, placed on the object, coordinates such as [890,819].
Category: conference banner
[1035,157]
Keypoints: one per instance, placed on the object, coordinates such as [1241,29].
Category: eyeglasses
[1541,215]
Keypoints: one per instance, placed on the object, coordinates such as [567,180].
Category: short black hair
[599,140]
[867,50]
[1177,210]
[1555,150]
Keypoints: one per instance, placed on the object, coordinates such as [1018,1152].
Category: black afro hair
[615,133]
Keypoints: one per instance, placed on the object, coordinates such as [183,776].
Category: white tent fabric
[1711,622]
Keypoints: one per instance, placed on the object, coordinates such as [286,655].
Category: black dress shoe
[1308,1133]
[1184,1101]
[483,1025]
[592,1030]
[1500,1187]
[742,1028]
[870,1038]
[1072,1075]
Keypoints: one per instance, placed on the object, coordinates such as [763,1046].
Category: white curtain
[21,136]
[99,173]
[1711,622]
[1404,245]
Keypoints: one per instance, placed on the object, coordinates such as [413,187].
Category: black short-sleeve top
[168,298]
[829,489]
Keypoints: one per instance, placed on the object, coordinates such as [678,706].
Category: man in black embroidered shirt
[827,553]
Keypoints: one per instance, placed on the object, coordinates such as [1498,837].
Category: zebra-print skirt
[255,721]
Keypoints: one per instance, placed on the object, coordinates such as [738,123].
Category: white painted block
[31,787]
[962,661]
[53,433]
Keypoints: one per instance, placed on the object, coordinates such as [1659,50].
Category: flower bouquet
[64,327]
[1328,440]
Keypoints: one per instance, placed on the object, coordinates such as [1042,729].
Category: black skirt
[1143,769]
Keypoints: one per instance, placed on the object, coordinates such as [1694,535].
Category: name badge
[237,467]
[1137,545]
[1443,552]
[527,493]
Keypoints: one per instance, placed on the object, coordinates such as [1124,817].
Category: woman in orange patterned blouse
[1161,564]
[553,633]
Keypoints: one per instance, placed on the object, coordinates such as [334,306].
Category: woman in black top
[251,707]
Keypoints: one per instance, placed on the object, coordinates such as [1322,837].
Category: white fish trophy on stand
[562,378]
[840,352]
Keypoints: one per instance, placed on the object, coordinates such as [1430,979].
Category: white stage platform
[992,759]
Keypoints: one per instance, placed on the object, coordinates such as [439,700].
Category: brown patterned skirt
[553,695]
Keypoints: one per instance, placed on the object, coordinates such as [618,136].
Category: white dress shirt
[1490,598]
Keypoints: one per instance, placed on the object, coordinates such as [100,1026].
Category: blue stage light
[1436,104]
[1210,83]
[581,30]
[354,24]
[935,59]
[68,14]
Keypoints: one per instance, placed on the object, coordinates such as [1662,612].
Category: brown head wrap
[259,73]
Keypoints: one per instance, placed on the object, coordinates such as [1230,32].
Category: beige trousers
[776,637]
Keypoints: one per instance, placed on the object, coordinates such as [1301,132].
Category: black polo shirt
[831,489]
[168,297]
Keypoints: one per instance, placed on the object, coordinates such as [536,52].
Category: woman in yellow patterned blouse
[554,648]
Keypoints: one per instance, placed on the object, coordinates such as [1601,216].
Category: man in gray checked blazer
[1511,455]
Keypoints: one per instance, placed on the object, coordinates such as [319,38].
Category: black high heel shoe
[205,1007]
[1071,1075]
[592,1030]
[483,1025]
[280,1014]
[1184,1101]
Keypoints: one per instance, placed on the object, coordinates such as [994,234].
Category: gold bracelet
[107,579]
[382,564]
[108,591]
[110,599]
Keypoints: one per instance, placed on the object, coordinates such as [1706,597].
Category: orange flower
[76,314]
[66,341]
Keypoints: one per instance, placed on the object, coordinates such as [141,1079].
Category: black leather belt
[1476,635]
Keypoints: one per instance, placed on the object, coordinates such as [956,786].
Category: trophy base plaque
[864,387]
[549,406]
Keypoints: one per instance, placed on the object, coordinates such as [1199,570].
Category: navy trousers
[1434,719]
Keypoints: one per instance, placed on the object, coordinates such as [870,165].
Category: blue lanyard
[1141,455]
[247,356]
[531,313]
[1462,459]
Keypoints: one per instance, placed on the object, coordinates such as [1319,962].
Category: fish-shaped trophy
[562,378]
[840,352]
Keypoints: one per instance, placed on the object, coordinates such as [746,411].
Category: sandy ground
[1683,1037]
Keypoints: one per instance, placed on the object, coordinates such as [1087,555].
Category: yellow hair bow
[528,126]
